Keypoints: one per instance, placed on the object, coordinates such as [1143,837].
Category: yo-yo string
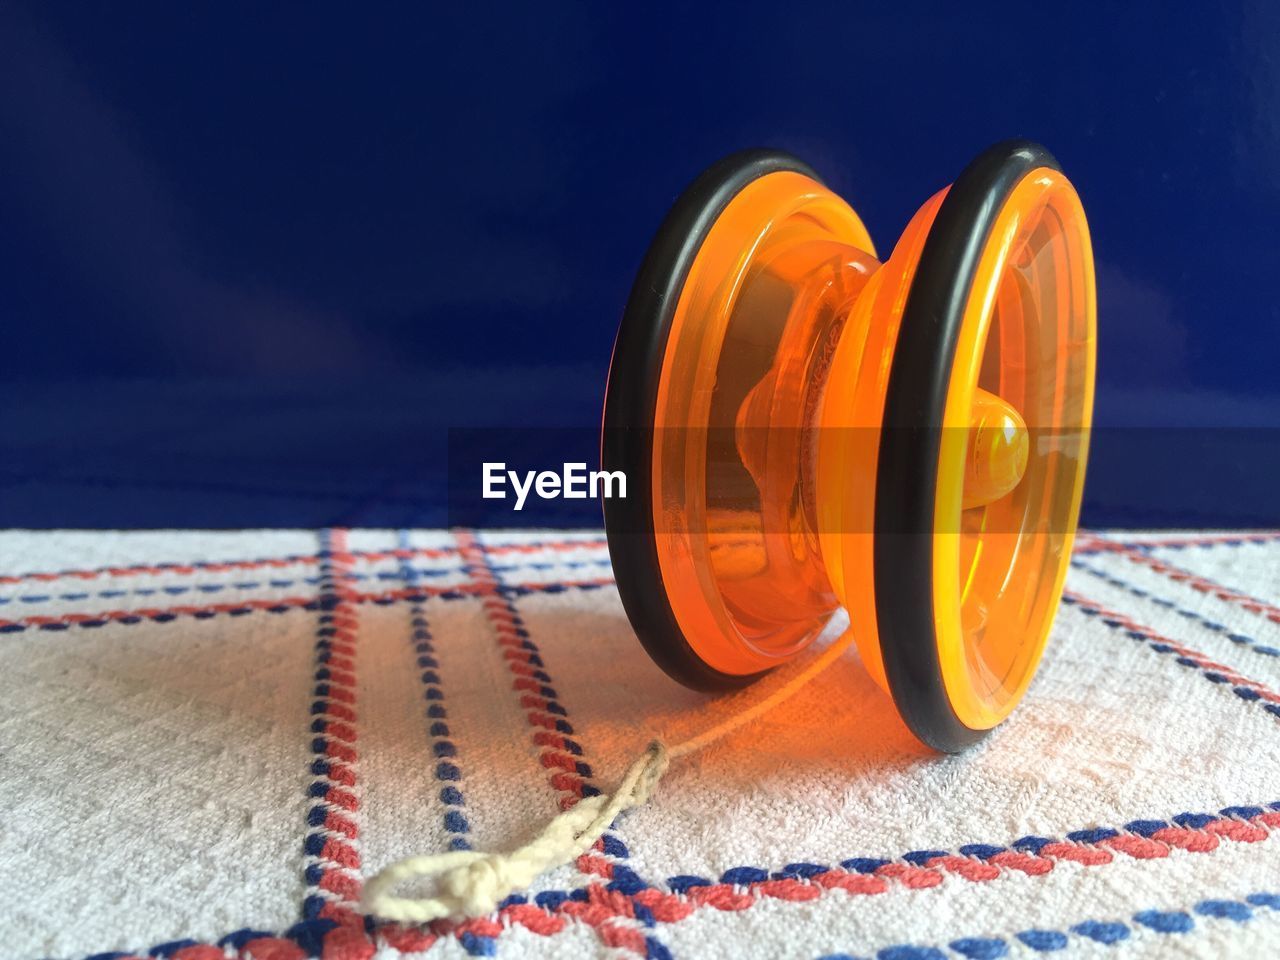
[471,883]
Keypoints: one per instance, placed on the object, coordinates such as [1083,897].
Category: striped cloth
[208,741]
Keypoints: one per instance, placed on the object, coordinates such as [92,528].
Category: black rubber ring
[626,441]
[906,478]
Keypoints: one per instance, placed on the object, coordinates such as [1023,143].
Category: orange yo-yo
[804,427]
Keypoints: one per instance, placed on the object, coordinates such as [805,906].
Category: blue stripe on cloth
[1172,923]
[1247,691]
[277,583]
[442,744]
[1235,636]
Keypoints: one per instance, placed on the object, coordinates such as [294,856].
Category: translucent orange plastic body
[769,408]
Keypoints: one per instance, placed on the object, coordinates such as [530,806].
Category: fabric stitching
[419,593]
[1087,932]
[186,568]
[1235,636]
[444,751]
[331,847]
[741,887]
[1248,690]
[1201,584]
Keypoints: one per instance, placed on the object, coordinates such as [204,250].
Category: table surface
[210,740]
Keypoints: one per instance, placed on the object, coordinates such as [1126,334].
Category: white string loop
[473,884]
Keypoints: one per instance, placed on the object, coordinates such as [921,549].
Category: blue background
[253,262]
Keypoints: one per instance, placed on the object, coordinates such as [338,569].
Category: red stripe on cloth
[272,948]
[348,943]
[1196,582]
[1177,542]
[1154,637]
[603,907]
[335,895]
[275,605]
[507,626]
[188,568]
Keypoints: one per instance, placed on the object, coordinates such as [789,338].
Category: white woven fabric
[209,740]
